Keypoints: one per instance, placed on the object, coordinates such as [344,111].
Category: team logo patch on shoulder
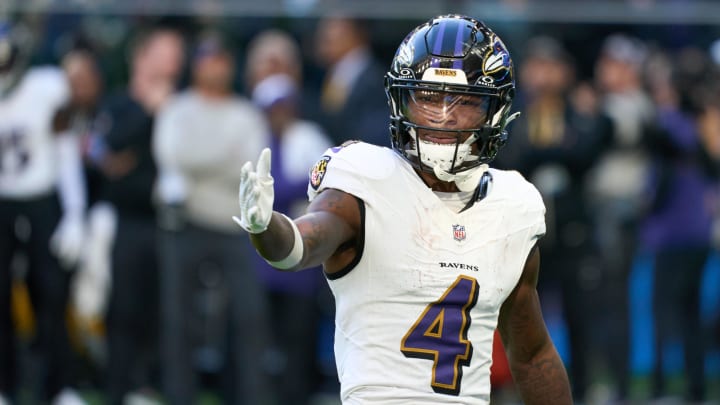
[318,172]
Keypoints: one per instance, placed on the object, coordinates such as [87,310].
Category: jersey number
[440,335]
[14,152]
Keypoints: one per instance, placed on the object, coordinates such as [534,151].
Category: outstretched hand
[256,194]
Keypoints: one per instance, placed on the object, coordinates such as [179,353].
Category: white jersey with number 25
[28,160]
[415,316]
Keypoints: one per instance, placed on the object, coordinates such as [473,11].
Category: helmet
[460,67]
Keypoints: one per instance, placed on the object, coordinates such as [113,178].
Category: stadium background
[54,25]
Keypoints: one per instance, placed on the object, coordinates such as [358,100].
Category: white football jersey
[28,166]
[415,317]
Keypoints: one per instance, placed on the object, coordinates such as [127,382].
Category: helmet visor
[444,110]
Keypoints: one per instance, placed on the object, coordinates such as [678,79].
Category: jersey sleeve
[350,168]
[536,208]
[532,214]
[523,212]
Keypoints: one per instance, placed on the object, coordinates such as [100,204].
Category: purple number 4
[440,334]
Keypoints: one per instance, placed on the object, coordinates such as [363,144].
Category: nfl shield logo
[459,232]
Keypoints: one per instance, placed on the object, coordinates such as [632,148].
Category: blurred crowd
[123,275]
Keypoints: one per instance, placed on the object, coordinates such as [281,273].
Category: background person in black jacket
[352,100]
[125,128]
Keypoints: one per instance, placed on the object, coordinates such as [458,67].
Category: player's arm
[535,364]
[69,236]
[333,220]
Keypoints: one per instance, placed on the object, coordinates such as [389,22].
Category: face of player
[446,127]
[445,111]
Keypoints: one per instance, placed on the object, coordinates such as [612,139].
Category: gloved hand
[67,240]
[92,282]
[90,292]
[256,195]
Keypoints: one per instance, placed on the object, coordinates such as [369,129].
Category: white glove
[92,283]
[67,241]
[90,292]
[256,195]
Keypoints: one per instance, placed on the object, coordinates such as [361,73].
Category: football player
[42,204]
[426,249]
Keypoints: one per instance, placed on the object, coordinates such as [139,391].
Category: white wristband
[296,253]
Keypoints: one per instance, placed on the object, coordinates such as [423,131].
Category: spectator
[274,81]
[678,227]
[293,297]
[616,188]
[352,104]
[85,79]
[81,67]
[124,156]
[202,137]
[708,120]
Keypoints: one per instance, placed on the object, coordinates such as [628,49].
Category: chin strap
[485,178]
[477,179]
[466,180]
[512,117]
[480,191]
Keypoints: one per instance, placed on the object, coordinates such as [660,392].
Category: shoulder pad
[520,196]
[364,159]
[48,81]
[515,186]
[350,166]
